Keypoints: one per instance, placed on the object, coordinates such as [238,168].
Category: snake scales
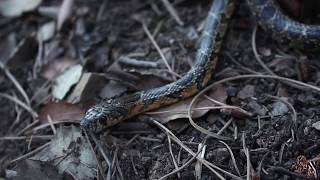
[112,111]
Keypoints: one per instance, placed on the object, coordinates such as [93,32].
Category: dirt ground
[56,64]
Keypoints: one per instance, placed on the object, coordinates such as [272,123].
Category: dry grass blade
[20,103]
[29,153]
[246,152]
[12,138]
[172,156]
[181,167]
[232,157]
[155,44]
[172,12]
[198,166]
[92,149]
[209,165]
[255,52]
[16,83]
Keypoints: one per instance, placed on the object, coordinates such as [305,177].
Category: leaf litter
[119,55]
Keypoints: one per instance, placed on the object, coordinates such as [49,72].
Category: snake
[269,15]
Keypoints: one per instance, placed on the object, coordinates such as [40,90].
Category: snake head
[101,116]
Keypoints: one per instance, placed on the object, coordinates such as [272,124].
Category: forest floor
[56,64]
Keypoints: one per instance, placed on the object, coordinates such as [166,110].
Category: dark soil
[100,32]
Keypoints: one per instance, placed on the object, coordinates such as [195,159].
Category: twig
[232,157]
[16,83]
[172,156]
[39,58]
[146,30]
[198,166]
[246,152]
[205,162]
[225,126]
[13,138]
[240,65]
[104,155]
[133,165]
[255,52]
[30,153]
[137,63]
[95,155]
[22,104]
[172,12]
[51,124]
[119,169]
[132,139]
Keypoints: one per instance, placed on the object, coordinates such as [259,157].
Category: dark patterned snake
[112,111]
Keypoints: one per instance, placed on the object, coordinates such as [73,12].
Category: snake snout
[91,119]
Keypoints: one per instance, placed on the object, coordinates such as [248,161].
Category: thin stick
[146,30]
[20,103]
[232,157]
[51,124]
[255,52]
[30,153]
[16,83]
[172,12]
[172,156]
[208,164]
[14,138]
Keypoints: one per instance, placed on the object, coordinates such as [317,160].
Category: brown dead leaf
[179,110]
[65,12]
[55,67]
[61,111]
[219,93]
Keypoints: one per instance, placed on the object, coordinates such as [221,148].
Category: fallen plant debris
[258,119]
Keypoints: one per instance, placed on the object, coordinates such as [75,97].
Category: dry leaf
[66,80]
[55,67]
[70,152]
[46,31]
[65,12]
[14,8]
[87,88]
[61,111]
[179,110]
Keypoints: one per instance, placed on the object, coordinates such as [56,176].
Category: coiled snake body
[112,111]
